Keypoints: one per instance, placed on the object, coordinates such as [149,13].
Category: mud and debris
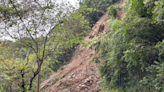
[80,75]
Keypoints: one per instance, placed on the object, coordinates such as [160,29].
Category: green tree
[80,27]
[12,67]
[35,25]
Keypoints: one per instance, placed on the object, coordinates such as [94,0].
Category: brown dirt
[79,75]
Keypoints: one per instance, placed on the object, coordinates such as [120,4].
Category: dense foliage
[133,52]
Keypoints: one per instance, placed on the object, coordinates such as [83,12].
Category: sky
[73,2]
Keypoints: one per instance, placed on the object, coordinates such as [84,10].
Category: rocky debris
[101,28]
[85,79]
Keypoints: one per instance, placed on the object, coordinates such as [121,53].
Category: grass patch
[64,87]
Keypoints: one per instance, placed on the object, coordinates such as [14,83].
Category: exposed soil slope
[79,75]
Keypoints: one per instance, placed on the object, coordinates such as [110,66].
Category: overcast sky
[73,2]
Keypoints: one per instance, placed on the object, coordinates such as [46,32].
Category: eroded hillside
[79,75]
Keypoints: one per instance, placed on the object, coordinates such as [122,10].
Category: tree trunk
[36,73]
[38,83]
[39,68]
[23,82]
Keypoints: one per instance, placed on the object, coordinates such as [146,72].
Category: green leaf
[57,61]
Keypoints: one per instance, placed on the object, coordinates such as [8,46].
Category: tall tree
[38,25]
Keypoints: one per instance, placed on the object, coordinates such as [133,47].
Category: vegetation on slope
[133,52]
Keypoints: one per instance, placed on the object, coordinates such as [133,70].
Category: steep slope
[79,75]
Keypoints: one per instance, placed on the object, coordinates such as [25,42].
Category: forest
[39,36]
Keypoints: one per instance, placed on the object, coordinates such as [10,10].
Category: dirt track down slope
[79,75]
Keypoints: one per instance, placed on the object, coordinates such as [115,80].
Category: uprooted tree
[38,26]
